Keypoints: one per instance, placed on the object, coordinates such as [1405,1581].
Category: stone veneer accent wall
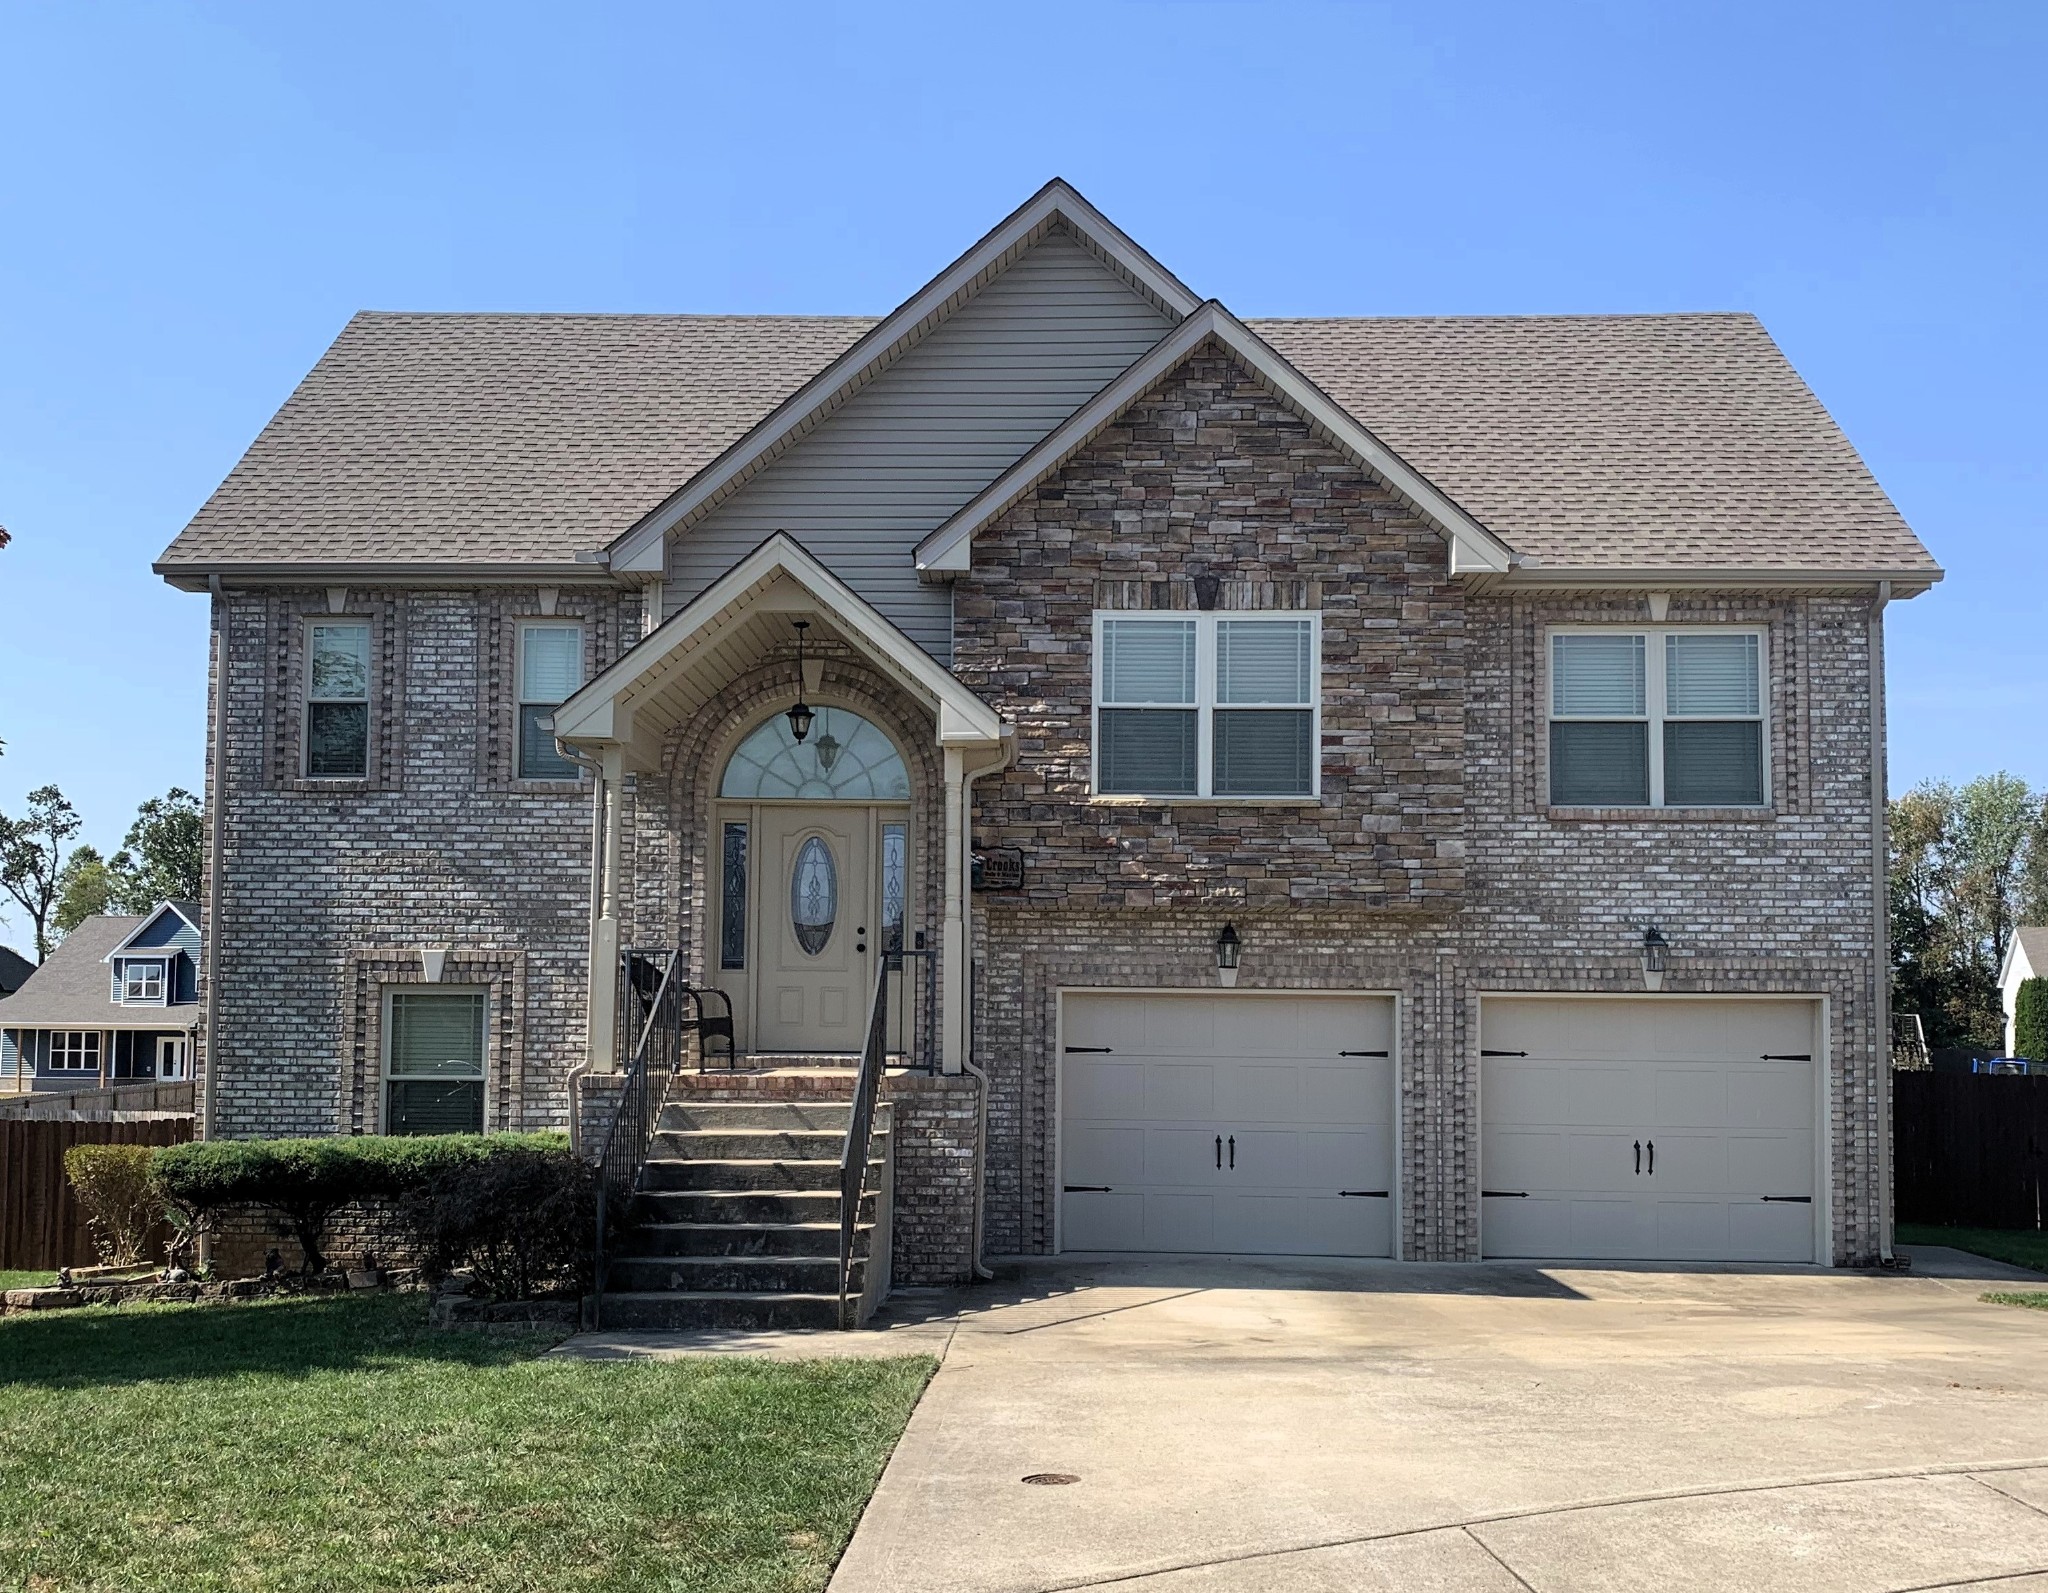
[332,886]
[1433,867]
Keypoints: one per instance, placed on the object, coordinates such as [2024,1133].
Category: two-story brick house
[1426,774]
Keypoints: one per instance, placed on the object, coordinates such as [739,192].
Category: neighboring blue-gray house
[14,970]
[116,1002]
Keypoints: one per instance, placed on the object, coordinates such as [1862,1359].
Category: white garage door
[1670,1130]
[1240,1123]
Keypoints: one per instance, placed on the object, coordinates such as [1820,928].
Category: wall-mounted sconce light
[800,716]
[1654,947]
[1228,950]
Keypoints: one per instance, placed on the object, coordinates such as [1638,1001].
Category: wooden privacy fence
[1971,1149]
[41,1226]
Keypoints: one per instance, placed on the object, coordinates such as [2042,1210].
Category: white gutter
[1880,943]
[215,874]
[967,984]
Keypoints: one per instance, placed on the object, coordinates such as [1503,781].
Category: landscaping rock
[44,1299]
[365,1278]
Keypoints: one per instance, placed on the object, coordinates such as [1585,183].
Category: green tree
[2030,1020]
[32,857]
[85,887]
[163,857]
[1960,865]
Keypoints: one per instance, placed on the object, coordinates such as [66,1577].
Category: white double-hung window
[550,670]
[1206,705]
[1662,718]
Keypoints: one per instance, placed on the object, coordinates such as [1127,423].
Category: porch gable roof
[608,711]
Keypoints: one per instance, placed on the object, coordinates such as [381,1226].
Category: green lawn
[2022,1247]
[337,1443]
[26,1280]
[2032,1302]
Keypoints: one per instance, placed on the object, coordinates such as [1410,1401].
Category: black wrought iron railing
[860,1128]
[654,1009]
[911,1019]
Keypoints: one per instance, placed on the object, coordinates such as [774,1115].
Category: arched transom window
[843,759]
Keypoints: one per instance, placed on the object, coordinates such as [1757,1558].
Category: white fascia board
[1473,547]
[642,547]
[1532,576]
[595,714]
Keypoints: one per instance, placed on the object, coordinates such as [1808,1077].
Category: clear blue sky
[194,198]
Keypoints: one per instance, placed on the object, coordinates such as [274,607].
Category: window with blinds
[550,672]
[338,700]
[1670,718]
[1199,705]
[434,1062]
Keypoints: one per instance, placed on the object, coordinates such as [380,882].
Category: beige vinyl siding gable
[901,455]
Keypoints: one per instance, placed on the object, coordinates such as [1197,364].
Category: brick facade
[1431,867]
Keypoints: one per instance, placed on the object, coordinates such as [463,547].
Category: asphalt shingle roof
[1632,441]
[74,987]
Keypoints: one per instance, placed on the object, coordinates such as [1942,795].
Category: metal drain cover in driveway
[1050,1479]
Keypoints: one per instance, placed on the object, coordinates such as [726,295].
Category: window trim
[89,1051]
[521,702]
[128,996]
[1205,706]
[1656,716]
[307,700]
[385,1078]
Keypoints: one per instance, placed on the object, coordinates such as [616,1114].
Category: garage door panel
[1180,1091]
[1259,1092]
[1103,1222]
[1180,1222]
[1260,1071]
[1766,1163]
[1171,1156]
[1687,1077]
[1091,1087]
[1333,1159]
[1778,1093]
[1779,1231]
[1360,1093]
[1094,1153]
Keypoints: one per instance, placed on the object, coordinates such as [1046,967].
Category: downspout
[1880,943]
[965,862]
[598,796]
[216,842]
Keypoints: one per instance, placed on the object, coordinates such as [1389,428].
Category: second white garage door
[1238,1122]
[1657,1130]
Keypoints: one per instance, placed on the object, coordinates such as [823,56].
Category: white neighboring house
[2026,958]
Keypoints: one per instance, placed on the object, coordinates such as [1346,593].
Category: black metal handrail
[652,1011]
[853,1160]
[916,1028]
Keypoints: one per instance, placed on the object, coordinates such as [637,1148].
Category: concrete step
[675,1311]
[751,1144]
[729,1274]
[663,1174]
[738,1239]
[743,1205]
[687,1114]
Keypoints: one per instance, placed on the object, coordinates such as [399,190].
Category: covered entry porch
[782,794]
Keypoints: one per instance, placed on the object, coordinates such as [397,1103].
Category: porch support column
[604,921]
[953,932]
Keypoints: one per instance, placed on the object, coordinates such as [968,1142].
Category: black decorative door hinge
[1505,1194]
[1086,1189]
[1361,1053]
[1362,1194]
[1503,1053]
[1786,1056]
[1090,1050]
[1792,1200]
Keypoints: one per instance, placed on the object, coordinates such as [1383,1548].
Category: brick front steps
[736,1222]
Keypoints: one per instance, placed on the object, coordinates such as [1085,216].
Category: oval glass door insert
[813,895]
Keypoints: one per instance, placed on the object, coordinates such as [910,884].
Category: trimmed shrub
[119,1198]
[2030,1020]
[306,1181]
[520,1220]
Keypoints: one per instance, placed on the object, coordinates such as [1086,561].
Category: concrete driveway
[1258,1424]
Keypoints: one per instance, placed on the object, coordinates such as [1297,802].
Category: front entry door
[816,905]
